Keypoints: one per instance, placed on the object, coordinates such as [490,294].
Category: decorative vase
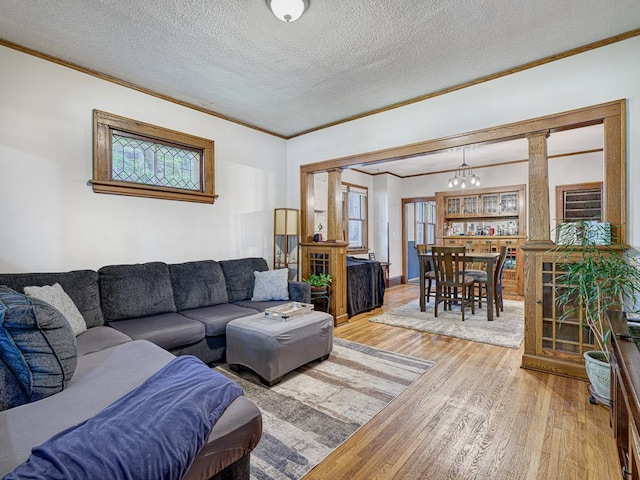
[599,373]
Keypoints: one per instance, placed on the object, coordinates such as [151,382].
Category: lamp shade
[288,10]
[286,221]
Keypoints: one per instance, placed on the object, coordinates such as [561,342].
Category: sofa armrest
[300,292]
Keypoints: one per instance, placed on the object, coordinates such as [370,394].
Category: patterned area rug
[505,331]
[319,406]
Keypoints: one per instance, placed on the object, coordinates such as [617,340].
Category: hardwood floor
[475,415]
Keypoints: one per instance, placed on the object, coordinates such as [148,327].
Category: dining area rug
[320,405]
[507,330]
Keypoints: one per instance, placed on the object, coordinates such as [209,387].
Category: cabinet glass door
[470,205]
[509,203]
[453,206]
[569,335]
[490,204]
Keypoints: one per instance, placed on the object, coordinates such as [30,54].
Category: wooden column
[334,205]
[539,241]
[615,178]
[538,188]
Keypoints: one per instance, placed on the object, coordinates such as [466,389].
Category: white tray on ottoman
[272,348]
[289,311]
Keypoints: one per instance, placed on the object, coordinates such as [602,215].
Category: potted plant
[598,275]
[319,282]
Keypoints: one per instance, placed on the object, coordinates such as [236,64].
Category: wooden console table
[625,388]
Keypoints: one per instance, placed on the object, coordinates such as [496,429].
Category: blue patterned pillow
[271,285]
[37,346]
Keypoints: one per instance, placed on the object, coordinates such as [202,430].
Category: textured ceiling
[340,59]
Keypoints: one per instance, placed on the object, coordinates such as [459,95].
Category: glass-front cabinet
[568,336]
[484,220]
[552,343]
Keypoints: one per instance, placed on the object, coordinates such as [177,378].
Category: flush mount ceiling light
[464,174]
[288,10]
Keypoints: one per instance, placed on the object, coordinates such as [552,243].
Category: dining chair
[480,278]
[453,286]
[429,273]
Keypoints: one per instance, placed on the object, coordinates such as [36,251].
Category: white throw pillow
[271,285]
[55,296]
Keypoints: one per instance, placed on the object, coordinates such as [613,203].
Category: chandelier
[464,174]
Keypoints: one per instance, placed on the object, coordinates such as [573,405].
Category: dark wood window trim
[105,124]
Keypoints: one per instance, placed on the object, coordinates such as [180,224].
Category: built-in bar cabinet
[483,220]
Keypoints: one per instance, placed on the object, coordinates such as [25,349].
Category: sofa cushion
[198,284]
[55,296]
[215,318]
[239,276]
[134,291]
[167,330]
[80,285]
[271,285]
[300,292]
[99,338]
[36,344]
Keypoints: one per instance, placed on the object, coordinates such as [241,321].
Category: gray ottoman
[272,348]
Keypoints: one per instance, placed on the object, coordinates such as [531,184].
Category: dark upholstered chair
[453,286]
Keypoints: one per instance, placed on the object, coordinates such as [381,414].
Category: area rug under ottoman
[507,330]
[320,405]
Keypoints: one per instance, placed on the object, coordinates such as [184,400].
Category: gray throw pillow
[36,344]
[271,285]
[55,296]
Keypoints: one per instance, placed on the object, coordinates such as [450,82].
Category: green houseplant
[320,281]
[597,275]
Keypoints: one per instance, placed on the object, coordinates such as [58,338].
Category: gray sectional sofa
[131,311]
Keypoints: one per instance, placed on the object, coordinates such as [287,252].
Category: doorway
[418,228]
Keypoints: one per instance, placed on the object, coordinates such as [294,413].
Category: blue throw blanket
[154,432]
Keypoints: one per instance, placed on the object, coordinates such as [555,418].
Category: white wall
[52,220]
[597,76]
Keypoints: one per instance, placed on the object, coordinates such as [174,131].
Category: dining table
[488,259]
